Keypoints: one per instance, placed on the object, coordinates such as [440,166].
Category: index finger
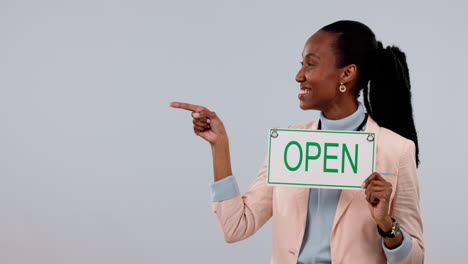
[373,176]
[190,107]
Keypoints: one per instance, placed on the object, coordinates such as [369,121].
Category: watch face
[392,233]
[395,229]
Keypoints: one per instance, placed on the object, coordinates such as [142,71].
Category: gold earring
[342,88]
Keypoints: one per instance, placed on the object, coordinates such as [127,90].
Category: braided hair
[383,76]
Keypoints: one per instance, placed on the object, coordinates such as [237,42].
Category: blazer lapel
[347,196]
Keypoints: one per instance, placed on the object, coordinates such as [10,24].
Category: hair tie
[378,51]
[378,57]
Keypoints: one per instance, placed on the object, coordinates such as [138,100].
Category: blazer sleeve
[405,206]
[242,215]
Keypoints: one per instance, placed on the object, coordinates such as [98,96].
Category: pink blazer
[354,237]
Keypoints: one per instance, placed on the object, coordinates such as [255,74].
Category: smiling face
[319,77]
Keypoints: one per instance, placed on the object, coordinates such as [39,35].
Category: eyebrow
[312,55]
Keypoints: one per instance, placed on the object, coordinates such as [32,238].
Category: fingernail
[196,115]
[208,121]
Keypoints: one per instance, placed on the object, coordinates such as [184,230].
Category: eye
[308,64]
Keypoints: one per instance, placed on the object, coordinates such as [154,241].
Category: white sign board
[320,159]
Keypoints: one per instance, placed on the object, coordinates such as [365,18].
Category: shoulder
[395,145]
[391,138]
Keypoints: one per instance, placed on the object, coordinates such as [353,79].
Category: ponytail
[383,77]
[388,96]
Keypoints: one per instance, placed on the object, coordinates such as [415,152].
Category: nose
[300,77]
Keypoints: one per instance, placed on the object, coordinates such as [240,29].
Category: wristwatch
[392,233]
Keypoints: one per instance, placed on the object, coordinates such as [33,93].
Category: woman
[380,223]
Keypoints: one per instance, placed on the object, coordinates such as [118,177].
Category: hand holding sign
[378,192]
[206,124]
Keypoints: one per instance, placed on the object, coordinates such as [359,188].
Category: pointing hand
[206,124]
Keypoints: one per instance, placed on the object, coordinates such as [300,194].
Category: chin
[305,106]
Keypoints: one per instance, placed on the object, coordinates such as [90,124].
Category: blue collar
[349,123]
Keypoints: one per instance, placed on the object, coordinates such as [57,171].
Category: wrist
[385,224]
[221,142]
[393,235]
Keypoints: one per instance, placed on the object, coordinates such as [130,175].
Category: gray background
[96,168]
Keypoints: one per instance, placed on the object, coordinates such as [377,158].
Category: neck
[340,111]
[350,123]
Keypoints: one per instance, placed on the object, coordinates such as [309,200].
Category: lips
[304,92]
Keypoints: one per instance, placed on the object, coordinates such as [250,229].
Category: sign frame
[276,130]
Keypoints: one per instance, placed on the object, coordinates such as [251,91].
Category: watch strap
[392,233]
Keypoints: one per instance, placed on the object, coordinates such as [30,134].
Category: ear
[349,74]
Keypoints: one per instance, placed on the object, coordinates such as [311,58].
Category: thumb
[204,114]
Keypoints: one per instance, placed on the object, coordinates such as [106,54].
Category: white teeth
[304,92]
